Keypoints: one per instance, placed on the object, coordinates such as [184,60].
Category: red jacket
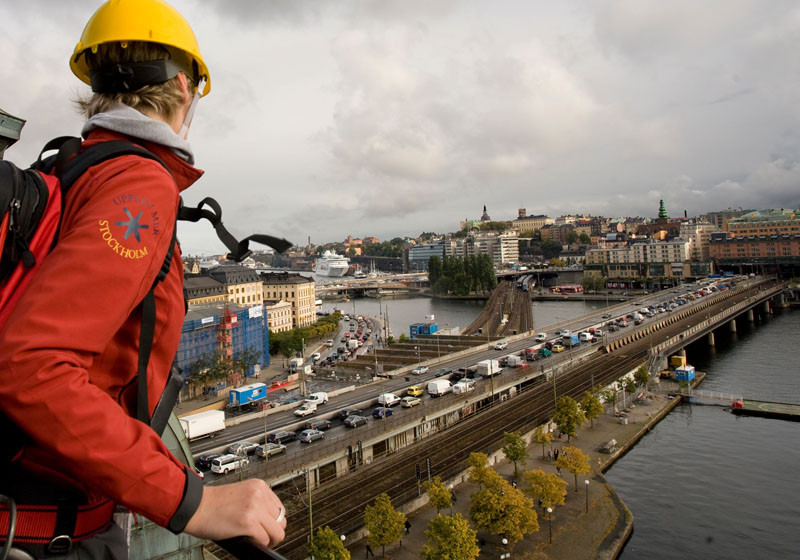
[68,354]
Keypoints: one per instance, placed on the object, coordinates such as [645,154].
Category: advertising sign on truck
[203,424]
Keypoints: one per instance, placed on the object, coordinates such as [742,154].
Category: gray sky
[384,118]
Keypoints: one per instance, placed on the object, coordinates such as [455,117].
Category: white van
[228,463]
[317,398]
[586,336]
[388,399]
[464,386]
[439,387]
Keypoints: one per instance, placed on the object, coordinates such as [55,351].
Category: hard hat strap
[130,76]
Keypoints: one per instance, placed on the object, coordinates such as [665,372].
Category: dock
[766,409]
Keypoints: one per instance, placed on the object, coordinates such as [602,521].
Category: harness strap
[46,524]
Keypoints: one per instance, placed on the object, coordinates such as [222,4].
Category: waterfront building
[419,255]
[222,329]
[279,315]
[502,247]
[647,259]
[765,222]
[761,249]
[296,289]
[698,235]
[722,217]
[203,289]
[242,284]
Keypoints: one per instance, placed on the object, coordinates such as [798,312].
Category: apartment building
[502,247]
[296,289]
[649,259]
[279,315]
[698,235]
[242,284]
[765,222]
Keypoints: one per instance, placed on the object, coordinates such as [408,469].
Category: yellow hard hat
[155,21]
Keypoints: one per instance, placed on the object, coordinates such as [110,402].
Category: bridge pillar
[750,316]
[711,338]
[765,307]
[780,301]
[367,455]
[341,467]
[732,325]
[682,352]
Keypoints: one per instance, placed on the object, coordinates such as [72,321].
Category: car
[308,436]
[419,370]
[316,356]
[502,345]
[282,436]
[269,449]
[548,345]
[317,424]
[381,412]
[354,421]
[204,461]
[541,337]
[408,402]
[443,371]
[305,410]
[242,448]
[228,463]
[606,316]
[559,332]
[343,414]
[329,343]
[558,348]
[317,398]
[415,391]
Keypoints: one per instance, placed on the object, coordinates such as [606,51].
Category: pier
[766,409]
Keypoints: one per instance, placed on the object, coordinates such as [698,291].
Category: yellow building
[296,289]
[279,315]
[765,222]
[201,290]
[242,285]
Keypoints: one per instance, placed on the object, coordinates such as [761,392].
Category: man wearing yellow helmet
[68,363]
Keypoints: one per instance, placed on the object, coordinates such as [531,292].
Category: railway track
[340,503]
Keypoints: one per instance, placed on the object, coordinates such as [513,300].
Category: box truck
[203,424]
[295,363]
[514,361]
[570,340]
[488,368]
[439,387]
[247,395]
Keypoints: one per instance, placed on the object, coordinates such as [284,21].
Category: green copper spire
[662,212]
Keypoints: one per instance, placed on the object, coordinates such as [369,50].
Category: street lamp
[419,361]
[586,482]
[450,489]
[505,554]
[343,538]
[550,519]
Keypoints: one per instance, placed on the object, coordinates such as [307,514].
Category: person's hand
[243,509]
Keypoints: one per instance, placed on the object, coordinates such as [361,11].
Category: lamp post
[586,482]
[450,489]
[550,519]
[419,361]
[343,538]
[505,553]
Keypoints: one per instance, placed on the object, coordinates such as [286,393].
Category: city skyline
[391,120]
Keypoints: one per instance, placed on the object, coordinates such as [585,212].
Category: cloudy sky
[390,118]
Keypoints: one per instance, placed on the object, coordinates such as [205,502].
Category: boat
[331,264]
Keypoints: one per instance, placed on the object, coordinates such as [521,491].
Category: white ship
[331,264]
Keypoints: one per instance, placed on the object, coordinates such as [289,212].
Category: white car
[329,343]
[305,410]
[502,345]
[316,356]
[541,337]
[419,370]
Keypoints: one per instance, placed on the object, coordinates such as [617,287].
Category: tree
[591,406]
[610,395]
[434,269]
[642,376]
[543,437]
[384,523]
[550,488]
[630,386]
[568,416]
[584,238]
[574,460]
[502,509]
[572,237]
[550,248]
[438,494]
[515,449]
[450,538]
[211,368]
[246,360]
[327,544]
[479,472]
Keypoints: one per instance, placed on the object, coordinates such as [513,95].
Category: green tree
[502,509]
[568,416]
[642,376]
[591,406]
[572,238]
[543,437]
[550,249]
[439,496]
[434,269]
[584,238]
[245,360]
[630,387]
[479,471]
[610,395]
[327,545]
[574,460]
[548,487]
[450,538]
[515,449]
[384,523]
[211,368]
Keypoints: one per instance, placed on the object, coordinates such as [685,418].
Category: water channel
[703,483]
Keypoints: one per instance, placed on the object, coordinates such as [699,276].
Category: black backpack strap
[239,250]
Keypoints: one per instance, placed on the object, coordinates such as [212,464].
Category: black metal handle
[246,549]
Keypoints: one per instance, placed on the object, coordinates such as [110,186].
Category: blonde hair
[163,99]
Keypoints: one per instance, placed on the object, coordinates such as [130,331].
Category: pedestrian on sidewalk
[368,552]
[513,483]
[558,470]
[408,526]
[453,497]
[555,454]
[549,455]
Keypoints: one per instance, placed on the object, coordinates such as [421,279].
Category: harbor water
[707,484]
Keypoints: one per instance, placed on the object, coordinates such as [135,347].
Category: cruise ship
[331,264]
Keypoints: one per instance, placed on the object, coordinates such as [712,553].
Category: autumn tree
[515,449]
[450,538]
[574,460]
[591,406]
[610,395]
[327,544]
[550,488]
[438,494]
[384,523]
[503,510]
[480,468]
[568,416]
[642,376]
[543,437]
[630,387]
